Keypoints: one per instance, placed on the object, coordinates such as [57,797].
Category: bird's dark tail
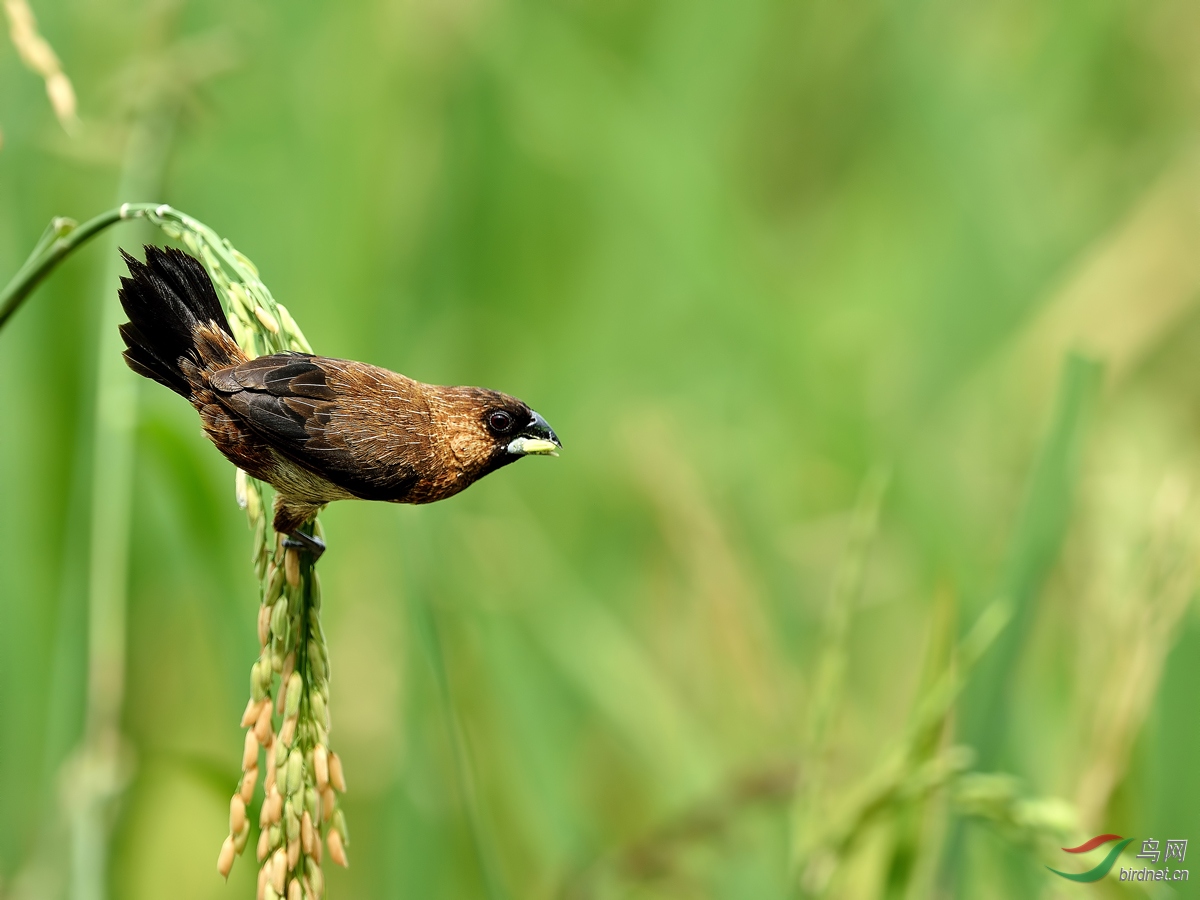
[174,317]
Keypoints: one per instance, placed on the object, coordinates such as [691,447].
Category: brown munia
[316,429]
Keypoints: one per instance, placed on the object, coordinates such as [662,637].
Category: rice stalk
[907,772]
[287,716]
[913,770]
[810,810]
[916,826]
[1164,585]
[39,57]
[290,680]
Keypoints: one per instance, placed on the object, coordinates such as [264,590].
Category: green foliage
[746,257]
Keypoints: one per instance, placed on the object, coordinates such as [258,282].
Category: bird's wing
[286,399]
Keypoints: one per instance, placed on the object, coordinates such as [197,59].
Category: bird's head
[487,429]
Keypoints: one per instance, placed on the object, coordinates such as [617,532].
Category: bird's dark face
[487,430]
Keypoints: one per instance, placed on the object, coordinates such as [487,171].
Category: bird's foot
[301,541]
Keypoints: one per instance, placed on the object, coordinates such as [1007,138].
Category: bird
[317,429]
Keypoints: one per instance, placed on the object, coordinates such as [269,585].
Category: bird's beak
[538,439]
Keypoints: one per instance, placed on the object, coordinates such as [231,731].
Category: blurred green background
[797,283]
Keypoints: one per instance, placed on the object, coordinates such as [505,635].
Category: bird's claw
[300,541]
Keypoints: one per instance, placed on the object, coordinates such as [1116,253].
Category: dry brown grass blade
[37,54]
[1141,641]
[1130,287]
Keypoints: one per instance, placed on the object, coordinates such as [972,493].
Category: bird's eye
[500,422]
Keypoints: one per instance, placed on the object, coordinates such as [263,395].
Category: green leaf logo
[1105,865]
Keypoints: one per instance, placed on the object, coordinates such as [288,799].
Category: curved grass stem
[61,238]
